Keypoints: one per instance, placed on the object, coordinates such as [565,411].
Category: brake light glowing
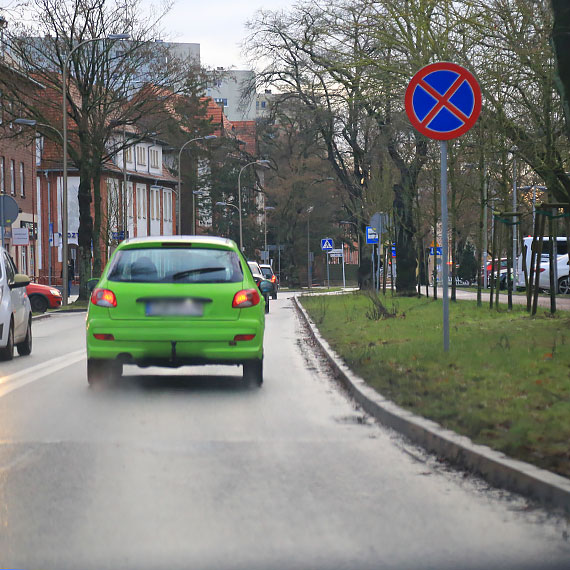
[273,279]
[104,336]
[246,298]
[104,298]
[244,337]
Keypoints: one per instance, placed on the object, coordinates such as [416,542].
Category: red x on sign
[443,100]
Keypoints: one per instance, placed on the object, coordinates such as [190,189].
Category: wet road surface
[187,469]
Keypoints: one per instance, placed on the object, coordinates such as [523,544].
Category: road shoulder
[548,488]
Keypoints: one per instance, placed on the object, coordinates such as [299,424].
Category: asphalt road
[187,469]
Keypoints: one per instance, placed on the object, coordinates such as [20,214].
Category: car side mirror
[92,283]
[20,280]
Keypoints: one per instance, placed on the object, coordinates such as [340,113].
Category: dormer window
[141,155]
[153,156]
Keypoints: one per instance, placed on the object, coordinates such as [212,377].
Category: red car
[43,297]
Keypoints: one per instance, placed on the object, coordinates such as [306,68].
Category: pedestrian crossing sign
[327,244]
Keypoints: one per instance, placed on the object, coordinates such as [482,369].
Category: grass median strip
[504,383]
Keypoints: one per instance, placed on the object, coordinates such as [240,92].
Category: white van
[562,264]
[15,310]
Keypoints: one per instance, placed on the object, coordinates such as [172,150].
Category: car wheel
[99,370]
[274,295]
[253,372]
[266,296]
[7,353]
[25,347]
[564,285]
[39,304]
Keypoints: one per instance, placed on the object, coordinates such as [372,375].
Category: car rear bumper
[154,343]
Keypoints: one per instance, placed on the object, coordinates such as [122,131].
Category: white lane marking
[18,379]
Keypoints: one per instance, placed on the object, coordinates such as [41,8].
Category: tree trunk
[405,250]
[97,263]
[85,230]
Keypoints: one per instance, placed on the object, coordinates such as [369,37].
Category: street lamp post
[206,138]
[534,188]
[64,130]
[265,164]
[34,123]
[265,208]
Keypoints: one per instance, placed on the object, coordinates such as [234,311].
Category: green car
[174,301]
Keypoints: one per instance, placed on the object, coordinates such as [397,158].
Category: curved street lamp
[64,130]
[265,164]
[206,138]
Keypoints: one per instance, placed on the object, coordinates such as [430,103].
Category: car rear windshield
[176,265]
[267,271]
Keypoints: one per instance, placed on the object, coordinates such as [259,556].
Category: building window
[12,177]
[22,181]
[263,104]
[130,204]
[141,203]
[153,157]
[221,101]
[141,155]
[167,206]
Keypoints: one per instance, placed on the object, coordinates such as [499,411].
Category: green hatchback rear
[175,301]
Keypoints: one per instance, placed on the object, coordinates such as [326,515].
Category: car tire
[99,370]
[7,353]
[266,297]
[564,285]
[25,347]
[39,304]
[274,295]
[253,372]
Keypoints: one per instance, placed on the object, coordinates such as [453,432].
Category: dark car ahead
[268,273]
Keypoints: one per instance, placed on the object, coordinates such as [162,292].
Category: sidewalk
[562,301]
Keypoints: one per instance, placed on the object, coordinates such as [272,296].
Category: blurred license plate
[184,307]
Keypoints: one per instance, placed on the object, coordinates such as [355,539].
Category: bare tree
[104,78]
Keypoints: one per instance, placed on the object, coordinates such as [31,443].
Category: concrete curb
[501,471]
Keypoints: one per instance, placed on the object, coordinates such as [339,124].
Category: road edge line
[548,488]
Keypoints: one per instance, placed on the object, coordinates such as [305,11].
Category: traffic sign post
[8,213]
[443,101]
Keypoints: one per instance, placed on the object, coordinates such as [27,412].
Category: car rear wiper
[187,272]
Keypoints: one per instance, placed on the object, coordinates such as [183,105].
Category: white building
[228,92]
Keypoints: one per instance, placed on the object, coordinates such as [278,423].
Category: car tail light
[245,298]
[104,336]
[273,279]
[103,298]
[244,337]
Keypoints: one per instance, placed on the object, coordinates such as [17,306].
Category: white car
[15,310]
[561,272]
[561,269]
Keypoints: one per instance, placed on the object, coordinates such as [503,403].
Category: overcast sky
[217,25]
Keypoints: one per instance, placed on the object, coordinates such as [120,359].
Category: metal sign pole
[328,274]
[343,275]
[444,245]
[373,270]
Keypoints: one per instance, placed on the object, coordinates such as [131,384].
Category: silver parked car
[15,310]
